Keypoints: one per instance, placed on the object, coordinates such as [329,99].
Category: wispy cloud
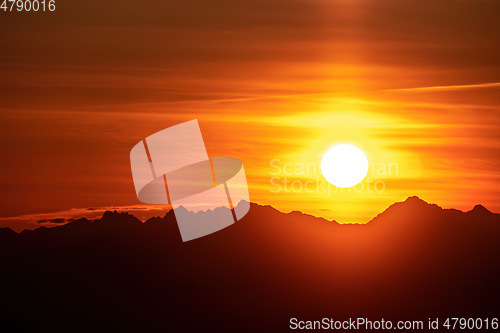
[450,87]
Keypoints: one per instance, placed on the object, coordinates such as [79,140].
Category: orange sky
[414,85]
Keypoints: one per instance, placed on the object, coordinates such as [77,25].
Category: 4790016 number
[28,5]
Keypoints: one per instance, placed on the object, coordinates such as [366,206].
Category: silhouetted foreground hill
[414,261]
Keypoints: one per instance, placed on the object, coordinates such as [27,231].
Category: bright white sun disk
[344,165]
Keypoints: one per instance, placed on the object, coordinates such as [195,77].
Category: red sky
[413,84]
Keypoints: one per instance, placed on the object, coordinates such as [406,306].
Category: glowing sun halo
[344,165]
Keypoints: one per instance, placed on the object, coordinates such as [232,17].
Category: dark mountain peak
[7,232]
[480,209]
[256,208]
[112,214]
[183,209]
[154,220]
[115,217]
[109,214]
[301,215]
[82,220]
[414,200]
[411,207]
[416,203]
[76,224]
[169,216]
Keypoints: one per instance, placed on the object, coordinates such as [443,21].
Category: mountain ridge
[121,219]
[122,274]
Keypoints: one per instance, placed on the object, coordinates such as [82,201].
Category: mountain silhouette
[413,261]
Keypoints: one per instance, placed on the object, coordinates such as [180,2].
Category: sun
[344,165]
